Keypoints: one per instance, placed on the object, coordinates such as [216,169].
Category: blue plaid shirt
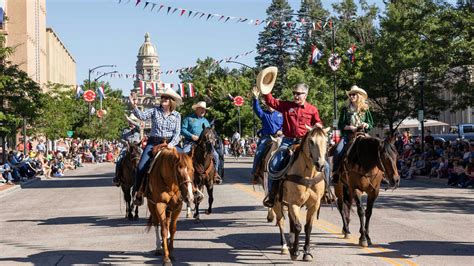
[162,126]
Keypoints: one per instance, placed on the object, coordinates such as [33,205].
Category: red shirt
[295,117]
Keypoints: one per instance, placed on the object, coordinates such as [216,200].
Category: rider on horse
[191,130]
[165,130]
[271,125]
[131,134]
[297,114]
[354,117]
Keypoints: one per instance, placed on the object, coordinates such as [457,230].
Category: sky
[104,32]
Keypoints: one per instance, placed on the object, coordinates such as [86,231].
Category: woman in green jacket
[354,117]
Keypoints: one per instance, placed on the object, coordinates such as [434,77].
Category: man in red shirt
[297,114]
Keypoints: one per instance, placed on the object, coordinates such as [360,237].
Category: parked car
[462,131]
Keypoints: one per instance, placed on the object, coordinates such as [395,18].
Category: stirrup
[138,200]
[268,202]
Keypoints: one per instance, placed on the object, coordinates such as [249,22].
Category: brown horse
[236,148]
[128,168]
[170,183]
[261,171]
[303,185]
[204,169]
[367,162]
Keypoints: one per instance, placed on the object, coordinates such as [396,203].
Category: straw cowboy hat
[201,104]
[356,89]
[266,79]
[133,119]
[171,93]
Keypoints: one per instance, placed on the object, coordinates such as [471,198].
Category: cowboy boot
[138,200]
[116,180]
[269,200]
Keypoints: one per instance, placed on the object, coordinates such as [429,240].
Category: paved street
[78,219]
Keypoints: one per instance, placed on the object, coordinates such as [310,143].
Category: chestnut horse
[303,185]
[170,182]
[368,161]
[236,148]
[204,169]
[128,168]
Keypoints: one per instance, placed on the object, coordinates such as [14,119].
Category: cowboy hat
[171,93]
[356,89]
[201,104]
[132,119]
[266,79]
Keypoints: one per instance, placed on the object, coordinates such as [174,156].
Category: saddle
[288,157]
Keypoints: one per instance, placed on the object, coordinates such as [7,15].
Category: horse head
[133,153]
[184,176]
[388,159]
[207,139]
[315,144]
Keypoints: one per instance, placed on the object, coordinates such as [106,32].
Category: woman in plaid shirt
[165,130]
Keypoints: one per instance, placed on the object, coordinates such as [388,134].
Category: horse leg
[361,213]
[159,248]
[294,217]
[307,230]
[188,211]
[161,213]
[270,215]
[277,209]
[368,213]
[196,204]
[136,213]
[345,205]
[128,203]
[173,223]
[210,194]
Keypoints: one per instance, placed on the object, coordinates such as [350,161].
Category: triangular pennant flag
[195,14]
[146,4]
[169,8]
[174,10]
[182,12]
[153,6]
[202,14]
[189,14]
[161,6]
[243,20]
[221,18]
[208,16]
[138,2]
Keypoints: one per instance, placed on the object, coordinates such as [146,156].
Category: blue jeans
[188,145]
[119,159]
[259,153]
[143,165]
[336,159]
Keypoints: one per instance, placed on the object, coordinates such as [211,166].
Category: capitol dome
[147,48]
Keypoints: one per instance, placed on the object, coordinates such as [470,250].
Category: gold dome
[147,48]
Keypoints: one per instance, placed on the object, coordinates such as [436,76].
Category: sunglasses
[298,93]
[165,97]
[353,94]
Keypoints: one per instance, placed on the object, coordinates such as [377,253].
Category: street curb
[18,186]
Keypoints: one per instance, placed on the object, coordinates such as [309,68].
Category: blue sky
[99,32]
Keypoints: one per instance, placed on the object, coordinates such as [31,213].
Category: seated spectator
[88,156]
[456,175]
[418,167]
[469,175]
[441,169]
[109,157]
[6,174]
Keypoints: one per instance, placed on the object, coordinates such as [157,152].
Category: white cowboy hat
[201,104]
[358,90]
[171,93]
[266,79]
[133,119]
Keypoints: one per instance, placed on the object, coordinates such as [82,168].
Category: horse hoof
[347,236]
[135,217]
[130,217]
[369,241]
[159,252]
[363,243]
[269,219]
[208,212]
[308,257]
[294,257]
[284,251]
[172,258]
[188,215]
[197,220]
[167,262]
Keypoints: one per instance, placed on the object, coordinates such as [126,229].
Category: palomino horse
[128,168]
[261,171]
[303,185]
[204,170]
[236,148]
[367,162]
[170,182]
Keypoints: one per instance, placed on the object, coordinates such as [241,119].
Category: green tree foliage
[276,43]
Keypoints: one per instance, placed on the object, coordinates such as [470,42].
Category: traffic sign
[89,96]
[238,101]
[70,133]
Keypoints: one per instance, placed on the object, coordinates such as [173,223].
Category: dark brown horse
[128,168]
[368,161]
[236,148]
[170,183]
[204,169]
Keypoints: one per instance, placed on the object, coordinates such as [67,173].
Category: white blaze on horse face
[189,186]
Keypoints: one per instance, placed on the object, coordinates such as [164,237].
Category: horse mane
[299,147]
[365,152]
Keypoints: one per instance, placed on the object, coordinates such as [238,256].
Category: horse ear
[326,130]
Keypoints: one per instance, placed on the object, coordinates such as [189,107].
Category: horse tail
[149,223]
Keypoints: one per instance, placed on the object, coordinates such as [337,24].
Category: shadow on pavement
[68,182]
[102,221]
[414,248]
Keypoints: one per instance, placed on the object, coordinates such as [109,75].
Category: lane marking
[328,227]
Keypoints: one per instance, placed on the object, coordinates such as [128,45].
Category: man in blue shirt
[191,129]
[131,134]
[272,122]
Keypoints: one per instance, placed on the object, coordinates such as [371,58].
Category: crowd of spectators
[453,161]
[63,155]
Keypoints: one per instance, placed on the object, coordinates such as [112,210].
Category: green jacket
[345,120]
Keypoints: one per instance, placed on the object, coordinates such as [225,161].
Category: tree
[276,43]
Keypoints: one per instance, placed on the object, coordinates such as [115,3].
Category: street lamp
[96,79]
[255,70]
[89,80]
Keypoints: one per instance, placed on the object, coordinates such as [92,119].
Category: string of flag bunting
[183,89]
[183,12]
[180,70]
